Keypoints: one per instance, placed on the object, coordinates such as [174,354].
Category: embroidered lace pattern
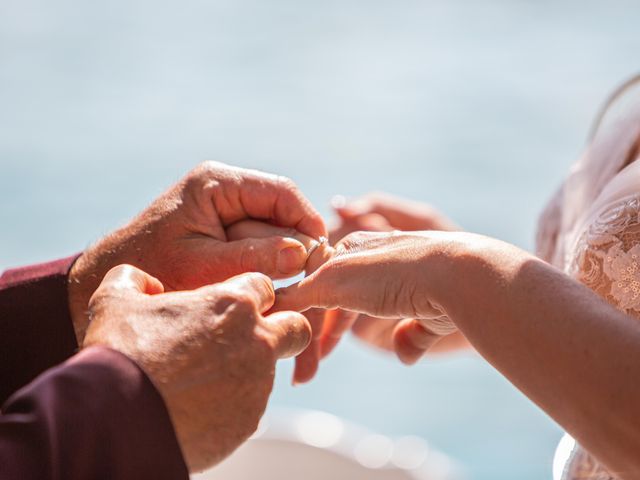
[607,260]
[607,255]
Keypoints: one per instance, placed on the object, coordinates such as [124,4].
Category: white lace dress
[591,230]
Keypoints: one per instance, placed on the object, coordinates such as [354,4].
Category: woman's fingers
[400,213]
[412,339]
[336,324]
[403,214]
[298,297]
[370,222]
[307,362]
[375,331]
[372,273]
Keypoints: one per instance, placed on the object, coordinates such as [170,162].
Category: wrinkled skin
[307,362]
[381,212]
[210,352]
[378,212]
[381,275]
[182,237]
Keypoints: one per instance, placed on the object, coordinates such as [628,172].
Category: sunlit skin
[532,322]
[307,362]
[182,239]
[382,212]
[372,212]
[411,292]
[210,352]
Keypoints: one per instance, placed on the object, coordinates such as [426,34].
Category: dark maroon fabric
[97,416]
[36,332]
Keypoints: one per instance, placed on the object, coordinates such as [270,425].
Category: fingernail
[291,260]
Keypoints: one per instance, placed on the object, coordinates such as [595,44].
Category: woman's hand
[553,338]
[391,275]
[381,212]
[407,338]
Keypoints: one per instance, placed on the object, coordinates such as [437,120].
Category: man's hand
[307,362]
[210,352]
[181,238]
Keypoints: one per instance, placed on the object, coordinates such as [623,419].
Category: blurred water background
[477,107]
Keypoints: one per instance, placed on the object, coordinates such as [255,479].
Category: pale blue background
[478,107]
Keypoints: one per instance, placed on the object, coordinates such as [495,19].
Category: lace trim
[607,260]
[607,255]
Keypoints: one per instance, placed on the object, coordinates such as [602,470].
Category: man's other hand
[210,352]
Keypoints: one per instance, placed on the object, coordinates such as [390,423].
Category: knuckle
[353,241]
[332,266]
[243,300]
[258,285]
[242,310]
[287,184]
[218,300]
[208,167]
[263,282]
[123,269]
[100,302]
[103,295]
[205,176]
[201,174]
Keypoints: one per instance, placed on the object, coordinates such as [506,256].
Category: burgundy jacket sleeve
[36,331]
[97,416]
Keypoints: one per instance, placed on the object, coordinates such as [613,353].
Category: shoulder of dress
[613,219]
[615,210]
[606,257]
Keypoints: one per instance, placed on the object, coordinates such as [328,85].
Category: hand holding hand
[307,362]
[382,212]
[182,237]
[386,275]
[210,352]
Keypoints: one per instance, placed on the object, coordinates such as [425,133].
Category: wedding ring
[321,241]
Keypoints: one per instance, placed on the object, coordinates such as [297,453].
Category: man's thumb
[277,257]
